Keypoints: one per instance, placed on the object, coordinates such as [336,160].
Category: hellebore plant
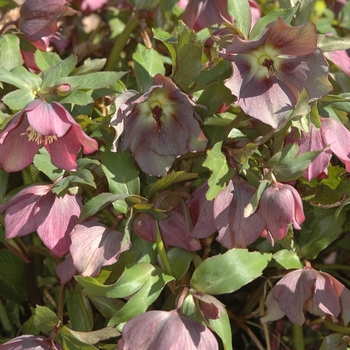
[270,72]
[43,124]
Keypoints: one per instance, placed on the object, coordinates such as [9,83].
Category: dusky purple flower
[159,126]
[37,208]
[38,21]
[235,230]
[332,134]
[201,211]
[308,290]
[340,58]
[280,205]
[270,72]
[30,342]
[43,124]
[94,245]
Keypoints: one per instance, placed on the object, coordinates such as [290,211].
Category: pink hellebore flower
[308,290]
[280,205]
[270,72]
[235,230]
[30,342]
[43,124]
[159,126]
[332,134]
[36,208]
[38,20]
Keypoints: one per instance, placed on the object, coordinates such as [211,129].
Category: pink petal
[293,291]
[66,269]
[30,342]
[234,229]
[273,311]
[94,246]
[55,222]
[144,226]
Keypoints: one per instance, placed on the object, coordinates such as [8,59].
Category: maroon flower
[37,208]
[30,342]
[43,124]
[280,205]
[308,290]
[270,72]
[38,21]
[159,126]
[235,230]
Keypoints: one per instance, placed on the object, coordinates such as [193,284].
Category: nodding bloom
[280,205]
[26,341]
[37,208]
[159,126]
[43,124]
[308,290]
[332,137]
[271,71]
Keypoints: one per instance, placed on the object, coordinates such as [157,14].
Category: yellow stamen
[35,136]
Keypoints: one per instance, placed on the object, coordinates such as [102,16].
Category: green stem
[336,328]
[331,267]
[298,337]
[162,252]
[61,299]
[4,320]
[121,42]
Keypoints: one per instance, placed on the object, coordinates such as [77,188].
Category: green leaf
[45,60]
[228,272]
[168,180]
[221,172]
[90,66]
[305,12]
[12,277]
[240,11]
[143,298]
[335,341]
[332,43]
[42,162]
[10,53]
[222,328]
[286,14]
[79,98]
[147,64]
[21,78]
[288,166]
[80,313]
[69,341]
[45,320]
[132,279]
[97,203]
[4,178]
[286,259]
[54,75]
[180,261]
[18,99]
[121,172]
[167,5]
[319,230]
[186,54]
[95,336]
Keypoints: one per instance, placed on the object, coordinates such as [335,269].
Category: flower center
[35,136]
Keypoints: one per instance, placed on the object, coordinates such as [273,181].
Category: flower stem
[298,337]
[162,252]
[120,43]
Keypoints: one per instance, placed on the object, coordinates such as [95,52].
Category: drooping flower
[280,205]
[166,330]
[235,230]
[308,290]
[270,72]
[93,246]
[331,137]
[37,208]
[28,342]
[43,124]
[38,21]
[159,126]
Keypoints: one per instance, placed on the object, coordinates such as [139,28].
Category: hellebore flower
[280,205]
[38,20]
[159,126]
[30,342]
[332,134]
[307,290]
[270,72]
[37,208]
[93,246]
[235,230]
[43,124]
